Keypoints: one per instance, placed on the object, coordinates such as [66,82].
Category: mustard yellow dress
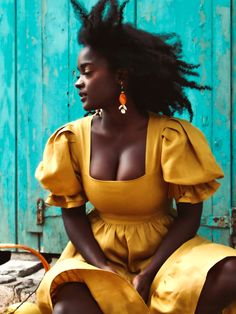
[130,218]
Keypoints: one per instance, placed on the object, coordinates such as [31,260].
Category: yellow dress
[131,217]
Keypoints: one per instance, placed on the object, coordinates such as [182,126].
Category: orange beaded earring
[122,99]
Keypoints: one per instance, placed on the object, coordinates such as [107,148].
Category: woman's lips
[83,98]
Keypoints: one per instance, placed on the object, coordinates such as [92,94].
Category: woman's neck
[113,120]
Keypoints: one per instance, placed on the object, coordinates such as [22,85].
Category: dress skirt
[175,289]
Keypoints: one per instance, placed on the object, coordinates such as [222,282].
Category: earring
[98,112]
[122,100]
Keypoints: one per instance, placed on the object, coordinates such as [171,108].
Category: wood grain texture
[221,108]
[55,98]
[233,102]
[40,96]
[193,22]
[8,153]
[29,116]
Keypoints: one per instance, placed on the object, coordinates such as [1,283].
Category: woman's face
[98,85]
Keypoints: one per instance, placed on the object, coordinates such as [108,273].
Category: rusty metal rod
[29,249]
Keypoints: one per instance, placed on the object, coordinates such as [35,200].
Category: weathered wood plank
[203,101]
[221,107]
[233,103]
[8,152]
[55,88]
[195,31]
[29,117]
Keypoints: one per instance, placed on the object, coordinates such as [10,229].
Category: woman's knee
[70,291]
[75,298]
[60,308]
[220,283]
[219,289]
[229,266]
[66,300]
[224,273]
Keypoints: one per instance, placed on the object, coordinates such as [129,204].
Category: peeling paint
[223,13]
[34,40]
[5,26]
[222,84]
[218,122]
[205,121]
[55,72]
[205,44]
[46,75]
[45,101]
[7,122]
[202,18]
[147,13]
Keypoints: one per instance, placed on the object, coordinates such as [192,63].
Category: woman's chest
[121,157]
[118,158]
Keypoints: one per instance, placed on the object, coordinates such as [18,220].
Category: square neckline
[89,145]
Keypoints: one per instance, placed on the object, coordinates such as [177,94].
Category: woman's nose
[79,83]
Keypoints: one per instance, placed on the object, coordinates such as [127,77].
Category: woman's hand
[108,268]
[142,283]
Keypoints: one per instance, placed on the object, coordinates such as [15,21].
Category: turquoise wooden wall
[38,53]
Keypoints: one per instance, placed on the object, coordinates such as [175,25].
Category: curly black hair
[156,74]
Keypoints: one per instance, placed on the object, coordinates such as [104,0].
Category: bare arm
[183,229]
[79,231]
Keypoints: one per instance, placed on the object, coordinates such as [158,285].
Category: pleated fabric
[130,218]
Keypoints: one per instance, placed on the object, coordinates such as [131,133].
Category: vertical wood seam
[135,12]
[230,117]
[68,56]
[16,128]
[231,102]
[42,65]
[212,92]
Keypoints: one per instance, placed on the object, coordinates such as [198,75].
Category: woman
[130,160]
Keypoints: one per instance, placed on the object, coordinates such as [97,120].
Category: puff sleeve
[188,164]
[59,172]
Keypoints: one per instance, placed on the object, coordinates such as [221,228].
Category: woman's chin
[88,107]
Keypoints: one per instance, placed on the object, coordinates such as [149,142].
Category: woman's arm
[183,229]
[79,231]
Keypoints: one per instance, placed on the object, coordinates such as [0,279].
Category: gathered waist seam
[128,219]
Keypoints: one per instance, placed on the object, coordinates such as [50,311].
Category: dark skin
[124,159]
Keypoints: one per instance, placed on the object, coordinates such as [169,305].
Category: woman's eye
[87,72]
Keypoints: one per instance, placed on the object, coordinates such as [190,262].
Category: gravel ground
[19,290]
[18,279]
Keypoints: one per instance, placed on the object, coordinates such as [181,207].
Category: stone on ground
[19,279]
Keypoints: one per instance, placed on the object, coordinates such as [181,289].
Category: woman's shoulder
[169,121]
[71,129]
[75,124]
[172,126]
[185,151]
